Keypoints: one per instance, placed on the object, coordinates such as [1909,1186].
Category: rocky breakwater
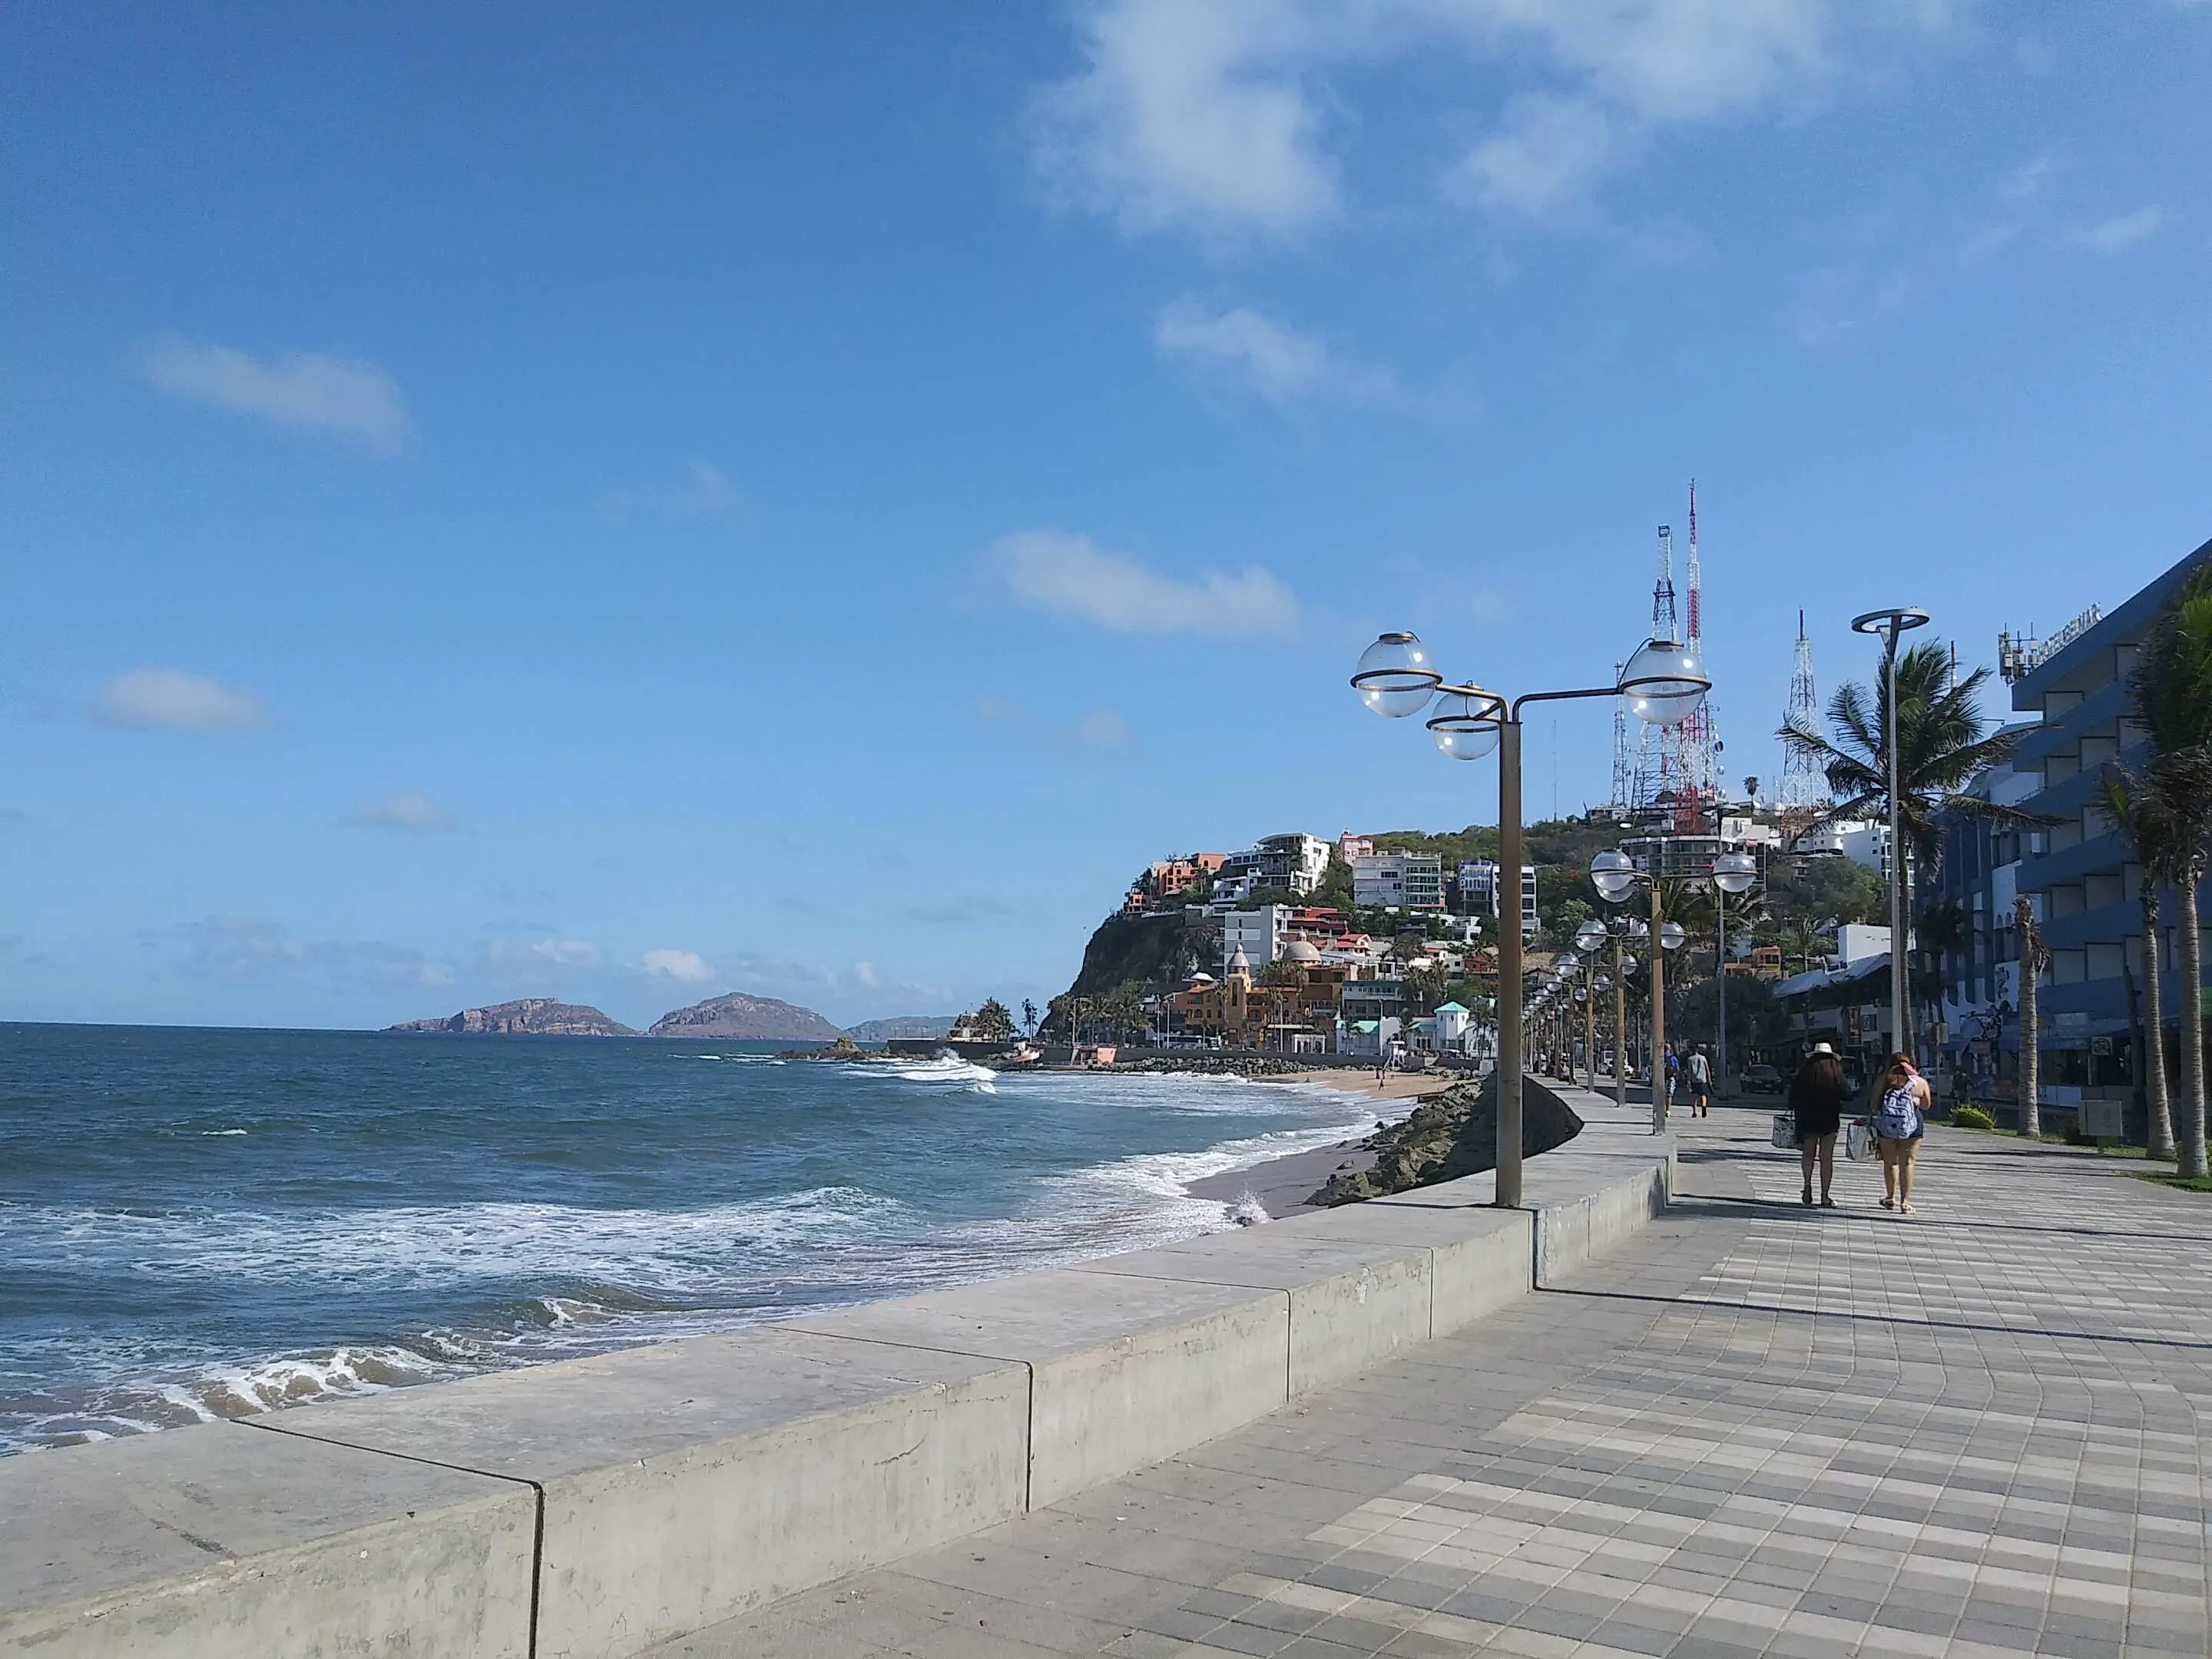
[1216,1065]
[1452,1134]
[526,1017]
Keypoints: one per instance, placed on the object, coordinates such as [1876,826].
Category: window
[2068,967]
[2106,961]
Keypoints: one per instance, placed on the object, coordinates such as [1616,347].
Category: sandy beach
[1281,1186]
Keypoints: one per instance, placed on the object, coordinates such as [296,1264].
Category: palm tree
[2033,959]
[2143,817]
[2173,700]
[1943,743]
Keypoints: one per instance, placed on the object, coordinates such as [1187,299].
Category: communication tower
[1697,744]
[1803,791]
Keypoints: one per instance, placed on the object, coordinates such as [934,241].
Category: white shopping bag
[1785,1129]
[1858,1141]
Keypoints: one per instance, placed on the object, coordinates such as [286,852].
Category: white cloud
[1070,576]
[174,700]
[996,711]
[356,399]
[409,813]
[2121,232]
[687,966]
[239,950]
[704,492]
[1207,117]
[1101,728]
[1187,118]
[1547,152]
[540,952]
[1267,357]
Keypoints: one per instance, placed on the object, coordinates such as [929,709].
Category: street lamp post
[1664,683]
[1888,624]
[1733,872]
[1616,875]
[1589,938]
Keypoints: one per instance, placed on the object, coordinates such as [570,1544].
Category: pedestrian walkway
[1759,1430]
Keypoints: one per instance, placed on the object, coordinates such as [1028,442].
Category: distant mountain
[528,1017]
[902,1025]
[739,1016]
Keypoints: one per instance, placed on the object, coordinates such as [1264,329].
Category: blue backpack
[1898,1117]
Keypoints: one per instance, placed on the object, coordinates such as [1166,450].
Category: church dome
[1300,950]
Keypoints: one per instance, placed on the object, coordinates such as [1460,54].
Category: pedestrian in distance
[1701,1083]
[1900,1121]
[1817,1095]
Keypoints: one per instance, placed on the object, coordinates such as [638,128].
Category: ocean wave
[440,1244]
[945,1068]
[531,1282]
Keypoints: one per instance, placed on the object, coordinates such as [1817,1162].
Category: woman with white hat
[1817,1096]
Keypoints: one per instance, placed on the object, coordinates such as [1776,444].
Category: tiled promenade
[1979,1431]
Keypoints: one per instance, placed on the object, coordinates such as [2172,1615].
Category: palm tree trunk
[2159,1110]
[2030,1029]
[2192,1022]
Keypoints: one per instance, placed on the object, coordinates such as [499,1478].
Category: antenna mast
[1697,779]
[1804,791]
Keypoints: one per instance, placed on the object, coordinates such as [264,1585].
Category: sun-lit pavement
[1979,1431]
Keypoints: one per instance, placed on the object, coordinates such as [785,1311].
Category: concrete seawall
[595,1507]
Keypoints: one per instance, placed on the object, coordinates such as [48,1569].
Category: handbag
[1858,1141]
[1785,1129]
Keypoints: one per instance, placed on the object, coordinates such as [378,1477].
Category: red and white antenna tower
[1697,771]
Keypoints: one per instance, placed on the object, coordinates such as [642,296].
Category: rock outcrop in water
[526,1017]
[1449,1135]
[743,1017]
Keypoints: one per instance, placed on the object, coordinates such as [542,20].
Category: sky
[632,503]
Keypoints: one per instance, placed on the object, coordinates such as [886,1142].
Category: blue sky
[655,500]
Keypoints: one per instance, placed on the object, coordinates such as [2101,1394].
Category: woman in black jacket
[1817,1097]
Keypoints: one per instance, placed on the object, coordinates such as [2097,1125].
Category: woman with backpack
[1817,1095]
[1899,1120]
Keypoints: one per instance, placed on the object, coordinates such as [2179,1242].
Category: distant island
[901,1027]
[739,1016]
[743,1017]
[525,1017]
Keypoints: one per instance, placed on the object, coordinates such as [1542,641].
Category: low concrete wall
[1572,1229]
[223,1540]
[596,1507]
[686,1483]
[1479,1257]
[1349,1304]
[1123,1371]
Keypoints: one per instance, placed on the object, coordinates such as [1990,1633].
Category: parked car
[1762,1080]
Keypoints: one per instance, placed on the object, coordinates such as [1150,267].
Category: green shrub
[1972,1117]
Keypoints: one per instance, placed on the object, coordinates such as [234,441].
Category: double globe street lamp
[1664,683]
[1615,876]
[1733,874]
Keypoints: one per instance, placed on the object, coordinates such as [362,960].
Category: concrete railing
[595,1507]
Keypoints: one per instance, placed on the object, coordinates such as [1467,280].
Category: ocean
[197,1224]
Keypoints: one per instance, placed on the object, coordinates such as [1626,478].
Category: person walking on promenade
[1817,1095]
[1701,1083]
[1901,1102]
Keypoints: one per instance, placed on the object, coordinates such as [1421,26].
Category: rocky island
[525,1017]
[901,1026]
[745,1018]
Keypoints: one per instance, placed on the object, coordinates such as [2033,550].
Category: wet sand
[1281,1186]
